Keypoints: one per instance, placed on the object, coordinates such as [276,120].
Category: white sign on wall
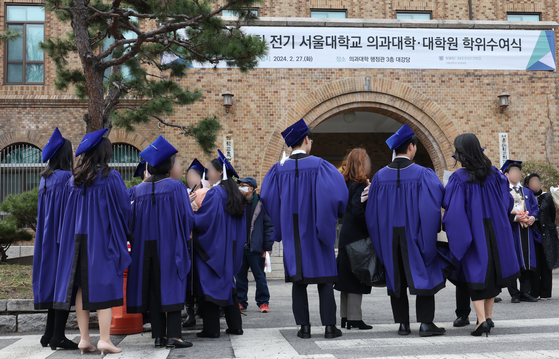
[228,147]
[503,148]
[332,47]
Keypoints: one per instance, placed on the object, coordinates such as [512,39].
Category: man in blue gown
[304,196]
[403,218]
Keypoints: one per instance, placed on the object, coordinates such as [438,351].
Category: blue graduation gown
[132,193]
[50,207]
[160,234]
[304,199]
[526,252]
[95,226]
[408,216]
[219,240]
[476,217]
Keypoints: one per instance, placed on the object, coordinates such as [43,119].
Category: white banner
[327,47]
[503,148]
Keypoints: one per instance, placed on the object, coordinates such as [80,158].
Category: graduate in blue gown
[477,204]
[142,172]
[522,218]
[161,222]
[93,251]
[403,217]
[52,199]
[219,237]
[304,196]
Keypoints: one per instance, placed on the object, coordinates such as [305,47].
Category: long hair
[63,160]
[353,167]
[235,204]
[471,156]
[88,167]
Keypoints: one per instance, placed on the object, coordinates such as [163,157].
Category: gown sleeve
[371,217]
[184,225]
[456,220]
[118,203]
[331,200]
[430,200]
[270,196]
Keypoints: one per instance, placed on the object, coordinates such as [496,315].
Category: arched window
[20,168]
[125,159]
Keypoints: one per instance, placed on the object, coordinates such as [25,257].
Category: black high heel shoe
[483,328]
[358,324]
[344,321]
[63,344]
[45,341]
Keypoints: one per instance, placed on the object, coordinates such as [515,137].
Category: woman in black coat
[356,168]
[547,253]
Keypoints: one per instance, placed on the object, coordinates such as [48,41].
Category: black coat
[353,229]
[546,222]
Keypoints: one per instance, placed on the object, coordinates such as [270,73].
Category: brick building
[346,107]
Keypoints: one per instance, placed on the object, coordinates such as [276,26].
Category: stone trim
[394,23]
[34,137]
[50,101]
[129,138]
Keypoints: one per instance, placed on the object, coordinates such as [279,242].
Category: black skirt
[492,289]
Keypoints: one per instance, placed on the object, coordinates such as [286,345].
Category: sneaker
[264,308]
[147,327]
[241,307]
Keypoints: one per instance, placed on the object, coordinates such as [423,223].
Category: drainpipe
[470,9]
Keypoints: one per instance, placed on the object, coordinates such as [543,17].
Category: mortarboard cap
[400,137]
[198,166]
[224,161]
[158,151]
[56,141]
[295,132]
[509,163]
[140,169]
[91,141]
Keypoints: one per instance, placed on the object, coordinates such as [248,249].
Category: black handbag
[364,263]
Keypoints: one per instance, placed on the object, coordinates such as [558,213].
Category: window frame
[24,37]
[539,14]
[329,10]
[428,12]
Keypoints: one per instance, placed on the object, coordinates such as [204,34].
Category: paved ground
[525,330]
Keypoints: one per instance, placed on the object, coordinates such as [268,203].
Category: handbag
[364,263]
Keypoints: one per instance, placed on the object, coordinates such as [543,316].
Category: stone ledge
[394,23]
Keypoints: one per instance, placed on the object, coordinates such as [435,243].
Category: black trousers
[542,278]
[211,316]
[56,324]
[525,284]
[163,325]
[424,304]
[301,303]
[463,308]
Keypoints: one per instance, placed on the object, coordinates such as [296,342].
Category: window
[523,17]
[125,159]
[329,14]
[413,15]
[107,42]
[234,13]
[25,60]
[20,168]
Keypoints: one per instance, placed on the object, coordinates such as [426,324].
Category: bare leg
[479,306]
[82,316]
[105,316]
[489,308]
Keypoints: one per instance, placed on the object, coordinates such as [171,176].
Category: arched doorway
[336,136]
[393,99]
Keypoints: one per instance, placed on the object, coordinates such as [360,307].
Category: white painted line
[262,343]
[141,346]
[27,347]
[540,354]
[435,341]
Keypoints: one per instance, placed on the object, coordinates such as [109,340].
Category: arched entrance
[393,99]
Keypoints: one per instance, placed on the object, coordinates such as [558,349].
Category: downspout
[470,9]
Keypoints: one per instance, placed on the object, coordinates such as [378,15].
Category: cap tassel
[224,172]
[283,159]
[393,155]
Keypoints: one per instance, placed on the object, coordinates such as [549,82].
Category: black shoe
[203,334]
[332,332]
[481,329]
[45,341]
[515,299]
[404,329]
[160,342]
[461,322]
[190,320]
[430,329]
[304,332]
[178,344]
[525,297]
[63,344]
[490,322]
[234,331]
[498,299]
[344,320]
[358,324]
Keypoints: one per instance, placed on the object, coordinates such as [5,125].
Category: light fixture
[227,100]
[350,117]
[503,101]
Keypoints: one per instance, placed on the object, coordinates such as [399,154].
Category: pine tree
[120,44]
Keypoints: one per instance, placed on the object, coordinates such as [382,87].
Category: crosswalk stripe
[262,343]
[539,354]
[139,346]
[27,347]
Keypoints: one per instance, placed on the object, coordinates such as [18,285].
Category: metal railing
[20,168]
[125,159]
